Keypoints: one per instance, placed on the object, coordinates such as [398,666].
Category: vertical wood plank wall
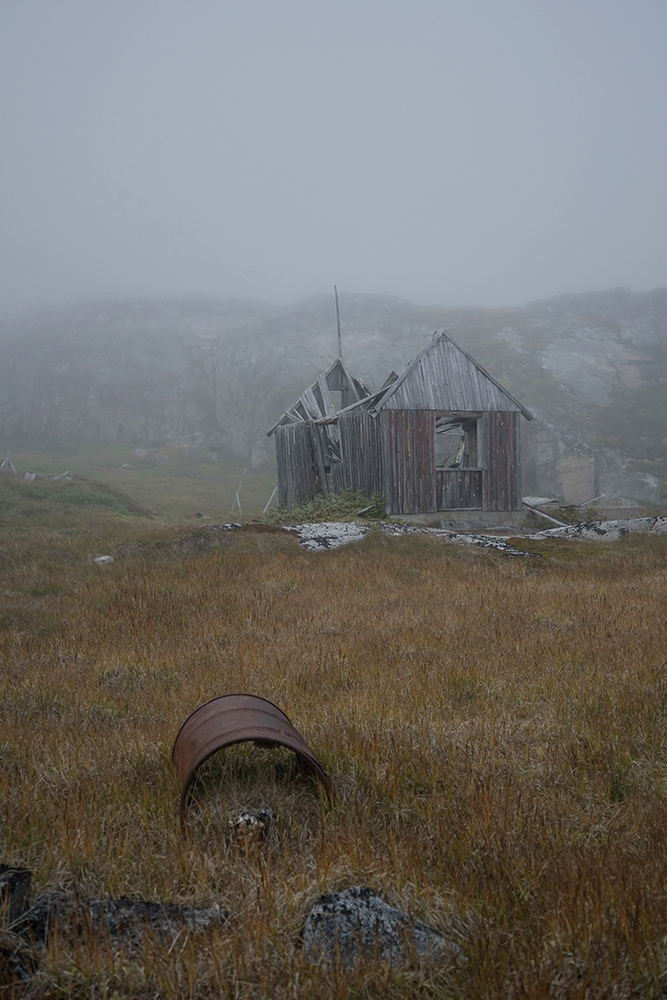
[503,480]
[394,454]
[339,477]
[408,460]
[297,475]
[460,489]
[361,450]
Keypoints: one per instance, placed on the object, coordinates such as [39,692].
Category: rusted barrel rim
[238,718]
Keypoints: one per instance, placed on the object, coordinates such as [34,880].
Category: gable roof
[443,376]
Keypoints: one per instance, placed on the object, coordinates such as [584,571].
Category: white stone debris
[331,534]
[496,542]
[608,531]
[328,534]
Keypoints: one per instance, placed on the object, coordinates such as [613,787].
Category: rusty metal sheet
[238,718]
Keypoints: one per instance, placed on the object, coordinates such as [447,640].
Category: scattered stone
[103,559]
[356,926]
[123,919]
[162,458]
[126,465]
[140,452]
[14,886]
[328,534]
[490,542]
[331,534]
[609,531]
[315,537]
[252,827]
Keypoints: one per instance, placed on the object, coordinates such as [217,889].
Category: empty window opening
[455,442]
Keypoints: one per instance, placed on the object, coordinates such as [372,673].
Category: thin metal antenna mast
[340,341]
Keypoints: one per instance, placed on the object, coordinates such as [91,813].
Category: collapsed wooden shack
[443,435]
[308,450]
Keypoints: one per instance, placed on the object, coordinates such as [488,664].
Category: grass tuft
[345,506]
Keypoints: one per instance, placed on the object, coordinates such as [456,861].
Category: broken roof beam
[356,386]
[316,404]
[308,402]
[328,408]
[288,417]
[369,398]
[362,387]
[365,402]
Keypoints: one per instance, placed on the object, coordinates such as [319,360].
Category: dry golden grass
[495,729]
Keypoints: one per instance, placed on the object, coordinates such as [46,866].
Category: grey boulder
[356,926]
[120,919]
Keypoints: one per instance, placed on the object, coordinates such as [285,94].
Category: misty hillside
[208,373]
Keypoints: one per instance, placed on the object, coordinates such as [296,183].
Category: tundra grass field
[494,728]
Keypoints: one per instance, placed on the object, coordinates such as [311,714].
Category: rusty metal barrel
[238,718]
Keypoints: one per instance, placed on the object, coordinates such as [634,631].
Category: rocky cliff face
[202,372]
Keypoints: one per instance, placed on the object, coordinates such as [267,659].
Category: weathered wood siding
[361,451]
[339,480]
[503,470]
[408,460]
[298,478]
[460,489]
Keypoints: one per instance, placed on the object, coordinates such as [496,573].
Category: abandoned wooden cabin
[308,450]
[443,435]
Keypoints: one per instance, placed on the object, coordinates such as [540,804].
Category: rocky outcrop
[201,372]
[124,922]
[121,919]
[355,926]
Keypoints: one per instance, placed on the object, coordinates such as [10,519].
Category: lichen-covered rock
[123,919]
[609,531]
[356,926]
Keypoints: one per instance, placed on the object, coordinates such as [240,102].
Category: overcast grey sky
[460,152]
